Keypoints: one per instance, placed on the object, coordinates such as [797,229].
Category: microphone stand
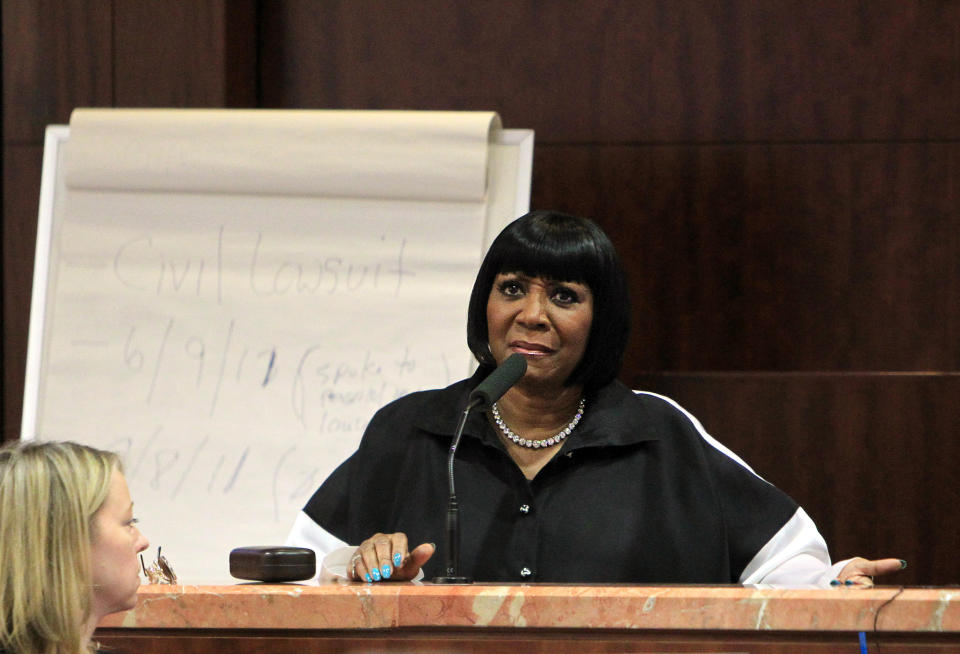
[452,567]
[485,394]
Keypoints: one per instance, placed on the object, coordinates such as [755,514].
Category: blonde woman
[68,546]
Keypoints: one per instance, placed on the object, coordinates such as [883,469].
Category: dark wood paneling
[630,71]
[480,640]
[21,192]
[185,53]
[818,256]
[871,457]
[56,55]
[492,640]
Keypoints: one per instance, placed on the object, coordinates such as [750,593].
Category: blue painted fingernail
[376,574]
[903,564]
[367,577]
[397,559]
[834,582]
[849,582]
[386,570]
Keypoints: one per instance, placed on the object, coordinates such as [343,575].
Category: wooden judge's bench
[541,618]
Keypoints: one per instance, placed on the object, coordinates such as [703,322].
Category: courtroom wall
[781,178]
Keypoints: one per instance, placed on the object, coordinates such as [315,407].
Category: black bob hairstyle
[562,248]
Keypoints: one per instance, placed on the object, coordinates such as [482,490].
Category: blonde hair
[49,493]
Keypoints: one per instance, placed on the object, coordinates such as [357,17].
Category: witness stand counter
[487,618]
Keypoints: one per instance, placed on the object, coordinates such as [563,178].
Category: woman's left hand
[385,556]
[859,572]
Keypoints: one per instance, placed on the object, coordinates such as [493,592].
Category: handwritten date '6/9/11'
[172,360]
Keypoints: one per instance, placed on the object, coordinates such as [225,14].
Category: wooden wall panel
[185,53]
[494,640]
[782,256]
[870,457]
[56,55]
[21,191]
[608,71]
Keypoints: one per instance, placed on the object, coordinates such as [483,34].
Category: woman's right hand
[385,557]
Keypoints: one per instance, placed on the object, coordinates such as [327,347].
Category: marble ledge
[387,606]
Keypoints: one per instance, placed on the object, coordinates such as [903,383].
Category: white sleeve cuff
[795,556]
[333,553]
[334,564]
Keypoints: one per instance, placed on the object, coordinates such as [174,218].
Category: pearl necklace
[545,442]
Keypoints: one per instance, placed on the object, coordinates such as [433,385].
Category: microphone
[498,382]
[485,394]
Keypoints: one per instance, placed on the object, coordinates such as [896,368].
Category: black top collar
[614,416]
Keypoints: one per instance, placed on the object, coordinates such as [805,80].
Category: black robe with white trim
[639,493]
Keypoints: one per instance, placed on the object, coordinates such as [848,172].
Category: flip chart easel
[226,297]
